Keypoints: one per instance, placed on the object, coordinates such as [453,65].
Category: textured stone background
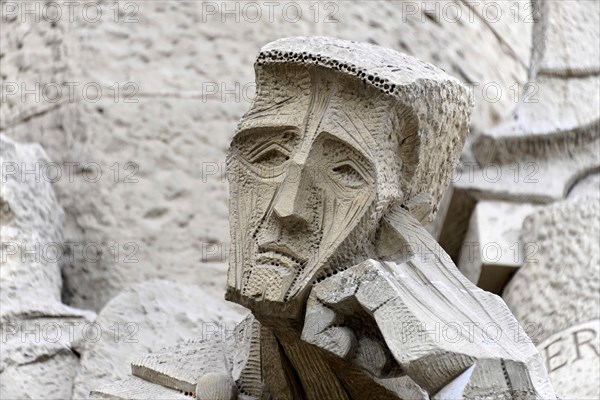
[184,71]
[172,222]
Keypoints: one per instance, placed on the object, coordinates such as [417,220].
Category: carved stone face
[303,187]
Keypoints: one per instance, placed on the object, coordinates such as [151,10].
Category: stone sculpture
[343,155]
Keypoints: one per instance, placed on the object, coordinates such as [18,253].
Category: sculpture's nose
[290,207]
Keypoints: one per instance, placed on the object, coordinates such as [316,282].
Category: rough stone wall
[556,293]
[40,340]
[142,165]
[161,199]
[522,218]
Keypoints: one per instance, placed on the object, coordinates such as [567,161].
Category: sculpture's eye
[272,156]
[348,175]
[265,151]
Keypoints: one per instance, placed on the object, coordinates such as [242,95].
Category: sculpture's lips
[281,254]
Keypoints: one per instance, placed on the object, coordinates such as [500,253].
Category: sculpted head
[339,133]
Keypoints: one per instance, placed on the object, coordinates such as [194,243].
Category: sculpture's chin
[273,286]
[269,282]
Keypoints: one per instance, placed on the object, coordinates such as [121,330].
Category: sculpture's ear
[397,226]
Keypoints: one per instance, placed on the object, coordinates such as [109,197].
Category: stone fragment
[48,377]
[556,118]
[146,317]
[182,366]
[31,229]
[493,249]
[212,367]
[31,225]
[136,389]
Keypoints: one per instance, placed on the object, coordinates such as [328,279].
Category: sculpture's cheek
[343,221]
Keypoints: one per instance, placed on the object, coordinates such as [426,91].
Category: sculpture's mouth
[277,254]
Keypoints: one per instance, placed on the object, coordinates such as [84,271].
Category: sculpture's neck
[298,369]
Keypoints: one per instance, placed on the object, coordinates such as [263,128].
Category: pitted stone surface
[40,341]
[188,105]
[50,377]
[559,286]
[375,65]
[147,317]
[32,236]
[556,294]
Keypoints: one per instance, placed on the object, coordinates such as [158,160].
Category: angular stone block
[493,249]
[136,389]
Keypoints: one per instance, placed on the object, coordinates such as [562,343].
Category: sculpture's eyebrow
[364,167]
[267,128]
[359,146]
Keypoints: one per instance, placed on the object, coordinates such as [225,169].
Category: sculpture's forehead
[352,119]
